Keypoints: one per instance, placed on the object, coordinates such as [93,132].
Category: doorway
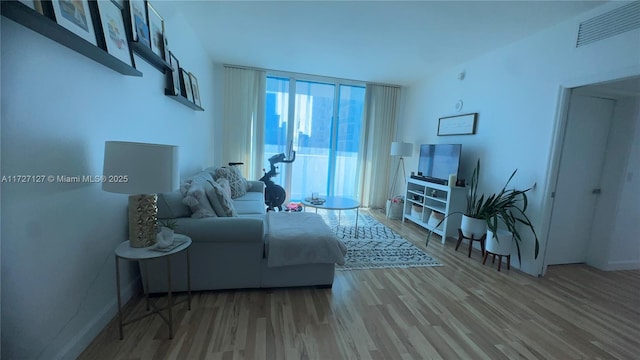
[594,173]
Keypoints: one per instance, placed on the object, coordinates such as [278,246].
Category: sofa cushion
[170,205]
[236,180]
[220,198]
[252,196]
[194,191]
[249,207]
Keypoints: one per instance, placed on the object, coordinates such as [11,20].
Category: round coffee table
[336,203]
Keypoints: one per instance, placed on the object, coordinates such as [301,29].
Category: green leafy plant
[476,207]
[508,207]
[169,223]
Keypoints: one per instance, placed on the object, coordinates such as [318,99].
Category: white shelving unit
[424,198]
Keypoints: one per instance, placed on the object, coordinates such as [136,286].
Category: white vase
[473,227]
[501,246]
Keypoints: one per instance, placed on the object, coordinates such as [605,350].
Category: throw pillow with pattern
[237,182]
[194,191]
[220,198]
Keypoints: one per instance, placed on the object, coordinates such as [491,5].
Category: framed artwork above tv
[457,125]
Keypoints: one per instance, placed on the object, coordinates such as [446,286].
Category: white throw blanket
[298,238]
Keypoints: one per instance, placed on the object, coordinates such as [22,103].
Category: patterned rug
[377,246]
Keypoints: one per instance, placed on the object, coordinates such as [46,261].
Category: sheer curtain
[244,113]
[378,131]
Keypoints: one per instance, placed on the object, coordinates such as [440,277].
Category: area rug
[376,246]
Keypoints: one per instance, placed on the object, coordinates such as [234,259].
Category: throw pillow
[170,205]
[194,191]
[219,196]
[236,180]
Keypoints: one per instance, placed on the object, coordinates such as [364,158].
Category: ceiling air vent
[609,24]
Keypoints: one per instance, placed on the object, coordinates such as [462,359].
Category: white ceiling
[393,42]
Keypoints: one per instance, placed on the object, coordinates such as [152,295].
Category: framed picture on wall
[34,4]
[115,35]
[457,125]
[175,74]
[186,84]
[156,31]
[138,14]
[75,16]
[196,90]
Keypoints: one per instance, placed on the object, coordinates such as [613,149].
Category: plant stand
[493,260]
[471,240]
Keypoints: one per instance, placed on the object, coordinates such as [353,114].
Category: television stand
[428,197]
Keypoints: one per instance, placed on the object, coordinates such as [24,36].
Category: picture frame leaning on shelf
[138,16]
[115,35]
[76,17]
[156,31]
[196,89]
[186,84]
[174,86]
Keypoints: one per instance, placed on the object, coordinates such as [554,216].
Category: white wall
[58,109]
[515,92]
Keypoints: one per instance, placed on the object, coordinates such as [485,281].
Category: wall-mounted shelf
[183,100]
[149,56]
[41,24]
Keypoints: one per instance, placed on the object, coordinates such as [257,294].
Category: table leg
[146,288]
[189,277]
[119,301]
[169,297]
[357,216]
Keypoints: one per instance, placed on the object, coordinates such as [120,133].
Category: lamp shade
[140,168]
[401,148]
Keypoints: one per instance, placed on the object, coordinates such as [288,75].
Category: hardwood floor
[462,310]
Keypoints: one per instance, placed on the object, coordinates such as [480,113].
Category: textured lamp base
[143,211]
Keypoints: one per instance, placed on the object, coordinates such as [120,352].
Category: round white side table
[124,251]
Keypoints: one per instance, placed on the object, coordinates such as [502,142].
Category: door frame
[560,127]
[551,181]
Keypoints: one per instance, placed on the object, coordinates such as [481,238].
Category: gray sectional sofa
[227,252]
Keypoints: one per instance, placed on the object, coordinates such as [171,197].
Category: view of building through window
[324,132]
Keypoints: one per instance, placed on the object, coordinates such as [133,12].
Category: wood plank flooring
[462,310]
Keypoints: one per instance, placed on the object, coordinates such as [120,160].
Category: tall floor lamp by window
[400,149]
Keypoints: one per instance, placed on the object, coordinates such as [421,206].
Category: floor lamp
[401,149]
[140,170]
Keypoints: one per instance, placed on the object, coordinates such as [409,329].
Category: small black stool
[471,240]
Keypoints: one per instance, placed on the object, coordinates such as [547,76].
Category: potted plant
[508,208]
[475,218]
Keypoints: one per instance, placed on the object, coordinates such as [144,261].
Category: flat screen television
[438,161]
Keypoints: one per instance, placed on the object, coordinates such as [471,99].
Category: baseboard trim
[79,343]
[623,265]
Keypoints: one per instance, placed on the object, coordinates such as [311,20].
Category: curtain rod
[306,74]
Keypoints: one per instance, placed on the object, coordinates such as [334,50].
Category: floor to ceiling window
[321,121]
